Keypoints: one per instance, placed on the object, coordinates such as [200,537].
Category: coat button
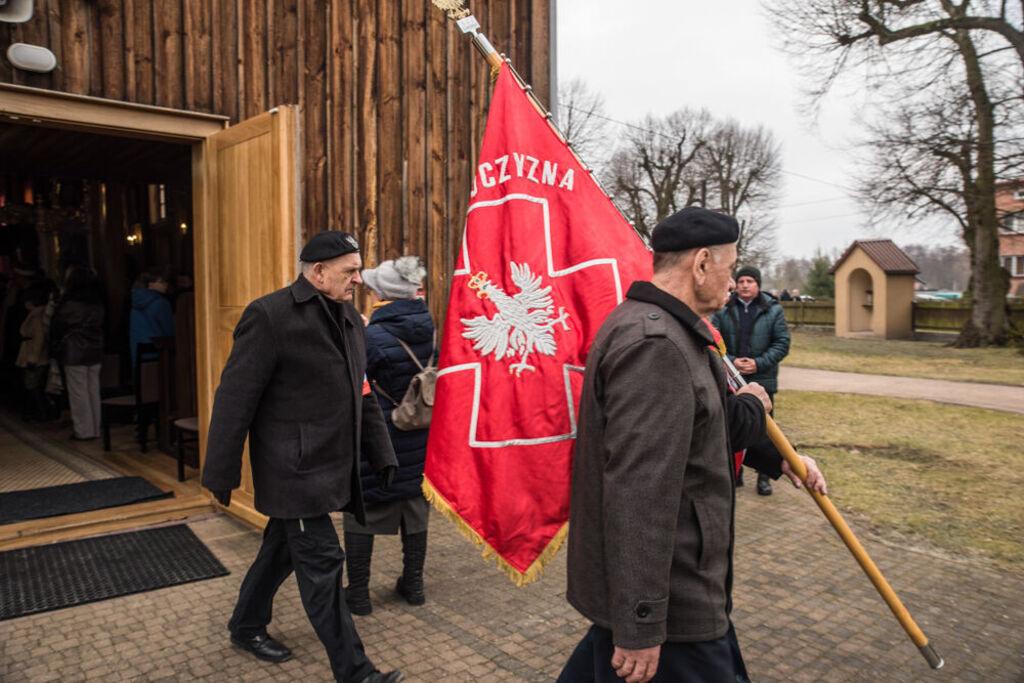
[654,316]
[643,610]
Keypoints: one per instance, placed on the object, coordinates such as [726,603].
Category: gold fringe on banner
[520,578]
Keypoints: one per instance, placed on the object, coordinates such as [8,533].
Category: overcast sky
[657,56]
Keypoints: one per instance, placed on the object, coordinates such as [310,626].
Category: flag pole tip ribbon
[520,578]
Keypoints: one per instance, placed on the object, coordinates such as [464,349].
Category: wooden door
[246,240]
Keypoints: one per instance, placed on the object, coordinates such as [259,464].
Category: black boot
[410,583]
[764,485]
[739,477]
[358,551]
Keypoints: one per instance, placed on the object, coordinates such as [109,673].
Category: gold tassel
[535,569]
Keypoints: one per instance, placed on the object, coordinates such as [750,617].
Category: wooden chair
[110,376]
[138,407]
[186,430]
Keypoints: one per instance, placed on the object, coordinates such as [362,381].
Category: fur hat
[399,278]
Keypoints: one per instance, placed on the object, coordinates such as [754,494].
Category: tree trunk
[987,326]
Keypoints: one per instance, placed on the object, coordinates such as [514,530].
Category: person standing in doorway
[151,314]
[76,337]
[33,357]
[400,340]
[756,336]
[295,384]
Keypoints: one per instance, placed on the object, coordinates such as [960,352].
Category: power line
[823,218]
[818,180]
[816,201]
[661,134]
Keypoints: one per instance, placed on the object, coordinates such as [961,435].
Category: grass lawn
[934,360]
[939,476]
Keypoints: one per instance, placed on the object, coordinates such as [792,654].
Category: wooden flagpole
[845,533]
[467,23]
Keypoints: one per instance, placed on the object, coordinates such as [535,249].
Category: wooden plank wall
[393,97]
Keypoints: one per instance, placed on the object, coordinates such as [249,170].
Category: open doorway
[243,181]
[120,206]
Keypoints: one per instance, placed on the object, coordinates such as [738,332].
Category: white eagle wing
[532,294]
[488,334]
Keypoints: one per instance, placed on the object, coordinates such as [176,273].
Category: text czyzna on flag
[545,258]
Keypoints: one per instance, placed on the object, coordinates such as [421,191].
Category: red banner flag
[545,258]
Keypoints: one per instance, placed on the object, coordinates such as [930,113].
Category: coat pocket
[713,539]
[321,444]
[279,443]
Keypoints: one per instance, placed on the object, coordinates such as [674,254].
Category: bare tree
[654,172]
[789,273]
[908,50]
[740,172]
[686,159]
[583,121]
[941,267]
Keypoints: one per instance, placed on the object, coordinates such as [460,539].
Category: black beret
[749,271]
[694,227]
[329,244]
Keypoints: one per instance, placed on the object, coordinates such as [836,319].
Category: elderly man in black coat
[295,385]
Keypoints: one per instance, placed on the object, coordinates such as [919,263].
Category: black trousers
[713,661]
[310,548]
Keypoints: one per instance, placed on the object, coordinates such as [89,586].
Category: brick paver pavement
[804,612]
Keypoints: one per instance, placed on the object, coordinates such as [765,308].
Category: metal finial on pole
[467,23]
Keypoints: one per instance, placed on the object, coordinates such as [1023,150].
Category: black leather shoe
[764,485]
[378,677]
[263,647]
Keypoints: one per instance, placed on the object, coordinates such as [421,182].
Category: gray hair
[666,260]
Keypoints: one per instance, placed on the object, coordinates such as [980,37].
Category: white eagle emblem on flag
[523,322]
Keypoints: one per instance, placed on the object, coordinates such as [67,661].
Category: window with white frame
[1013,222]
[1014,264]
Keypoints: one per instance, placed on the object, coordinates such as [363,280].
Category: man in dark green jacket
[756,336]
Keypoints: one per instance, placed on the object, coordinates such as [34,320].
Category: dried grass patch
[932,360]
[945,476]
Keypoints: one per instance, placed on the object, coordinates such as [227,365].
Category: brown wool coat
[651,517]
[293,384]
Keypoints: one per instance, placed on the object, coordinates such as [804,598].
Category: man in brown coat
[651,521]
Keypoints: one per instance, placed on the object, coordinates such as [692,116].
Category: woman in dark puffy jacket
[399,314]
[76,337]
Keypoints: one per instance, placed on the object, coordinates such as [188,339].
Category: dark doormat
[51,501]
[71,573]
